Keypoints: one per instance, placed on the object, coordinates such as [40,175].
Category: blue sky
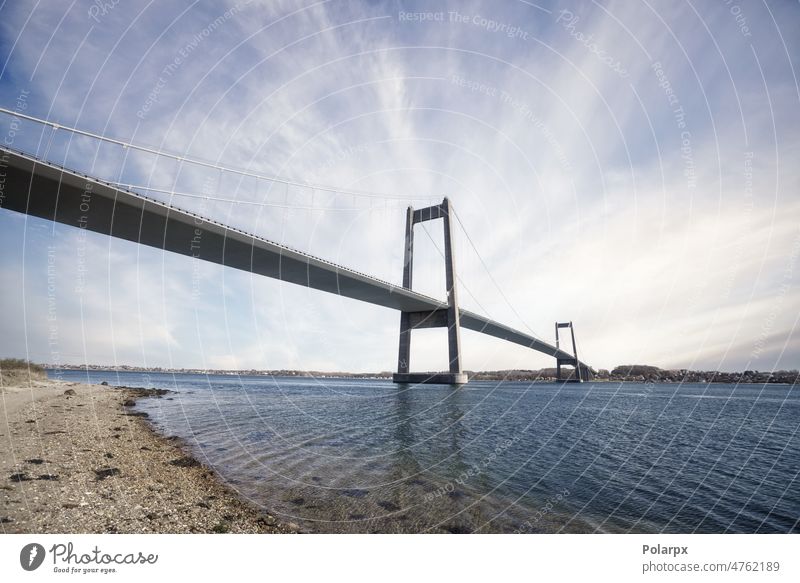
[629,166]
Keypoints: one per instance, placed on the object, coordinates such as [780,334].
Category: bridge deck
[48,191]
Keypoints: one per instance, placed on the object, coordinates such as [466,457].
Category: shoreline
[543,376]
[77,458]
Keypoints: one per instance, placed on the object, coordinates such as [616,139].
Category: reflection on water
[371,456]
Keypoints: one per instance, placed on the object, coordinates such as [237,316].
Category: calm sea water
[371,456]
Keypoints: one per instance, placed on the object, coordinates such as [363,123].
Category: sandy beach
[77,458]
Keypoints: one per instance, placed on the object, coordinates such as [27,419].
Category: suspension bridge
[37,187]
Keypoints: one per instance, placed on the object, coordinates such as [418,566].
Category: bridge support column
[404,356]
[578,376]
[449,316]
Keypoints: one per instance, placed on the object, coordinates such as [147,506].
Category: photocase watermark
[20,105]
[84,207]
[420,16]
[739,17]
[101,8]
[66,560]
[748,181]
[678,113]
[474,86]
[454,17]
[570,22]
[336,159]
[521,108]
[52,312]
[527,114]
[489,24]
[783,290]
[183,54]
[31,556]
[473,471]
[197,237]
[530,524]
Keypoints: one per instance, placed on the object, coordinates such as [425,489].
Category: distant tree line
[625,372]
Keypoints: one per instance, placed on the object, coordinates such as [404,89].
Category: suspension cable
[491,277]
[232,200]
[190,160]
[458,277]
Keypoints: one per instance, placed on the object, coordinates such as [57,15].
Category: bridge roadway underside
[48,191]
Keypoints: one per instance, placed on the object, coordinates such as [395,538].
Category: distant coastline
[622,373]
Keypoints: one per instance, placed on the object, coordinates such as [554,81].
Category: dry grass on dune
[16,372]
